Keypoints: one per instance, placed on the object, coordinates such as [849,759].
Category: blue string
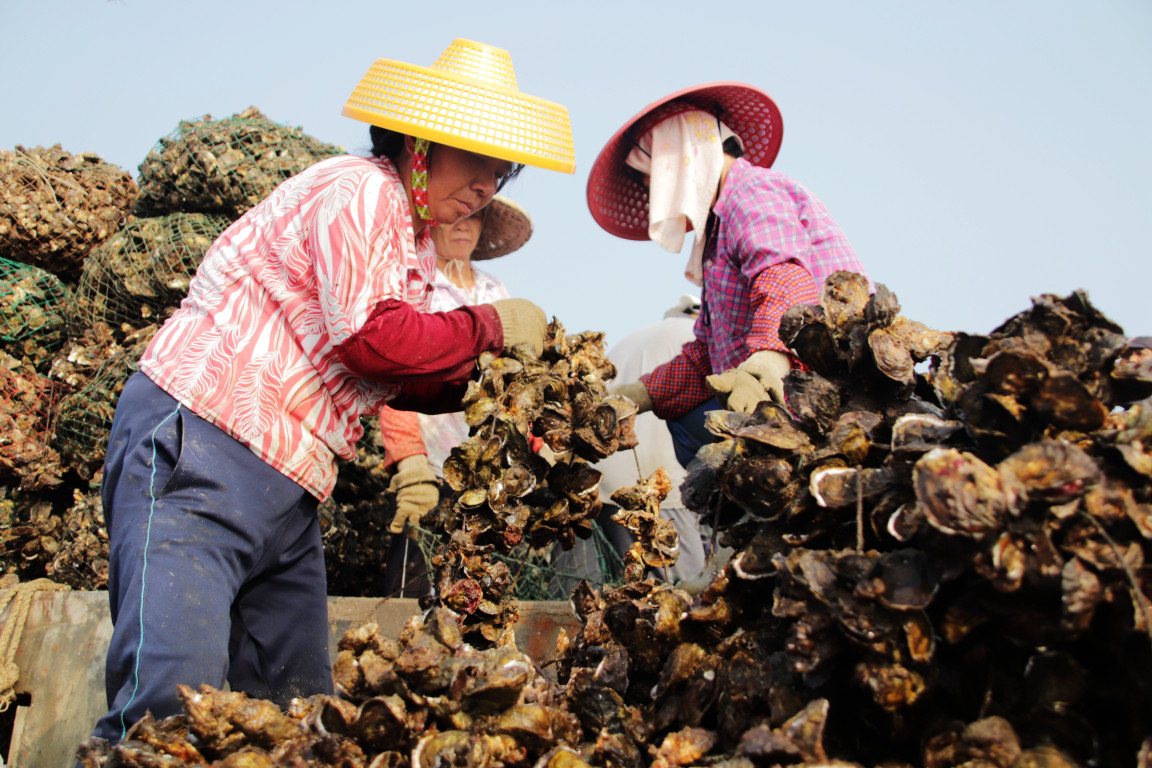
[144,573]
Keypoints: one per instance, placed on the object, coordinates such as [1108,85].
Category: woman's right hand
[523,323]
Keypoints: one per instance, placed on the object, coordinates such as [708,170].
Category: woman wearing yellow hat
[306,314]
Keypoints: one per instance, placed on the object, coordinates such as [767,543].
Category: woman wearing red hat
[306,314]
[700,159]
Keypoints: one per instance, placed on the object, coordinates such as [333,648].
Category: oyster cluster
[83,287]
[33,303]
[657,543]
[27,457]
[503,495]
[96,366]
[55,206]
[424,699]
[952,528]
[223,166]
[354,521]
[140,275]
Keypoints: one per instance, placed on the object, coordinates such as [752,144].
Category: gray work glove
[523,323]
[636,392]
[760,377]
[417,491]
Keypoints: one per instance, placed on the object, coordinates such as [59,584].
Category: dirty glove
[636,392]
[760,377]
[417,491]
[523,323]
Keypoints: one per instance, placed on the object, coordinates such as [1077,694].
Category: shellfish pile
[55,206]
[424,699]
[911,587]
[223,166]
[83,285]
[941,555]
[501,493]
[141,274]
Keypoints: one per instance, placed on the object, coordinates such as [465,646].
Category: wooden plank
[61,661]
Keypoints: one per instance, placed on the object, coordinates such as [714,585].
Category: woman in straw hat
[416,445]
[700,159]
[306,314]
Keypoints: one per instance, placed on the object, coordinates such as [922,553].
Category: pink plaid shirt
[772,246]
[252,347]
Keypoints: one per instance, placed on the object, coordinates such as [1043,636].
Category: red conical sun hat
[619,203]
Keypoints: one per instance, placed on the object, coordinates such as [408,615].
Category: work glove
[523,323]
[417,491]
[636,392]
[760,377]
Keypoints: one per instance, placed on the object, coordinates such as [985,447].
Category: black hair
[732,147]
[516,168]
[389,143]
[386,142]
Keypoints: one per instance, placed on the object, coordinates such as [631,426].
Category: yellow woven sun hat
[468,99]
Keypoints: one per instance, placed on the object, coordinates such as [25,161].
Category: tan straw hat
[619,203]
[506,229]
[468,99]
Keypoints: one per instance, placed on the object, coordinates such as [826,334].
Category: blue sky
[976,154]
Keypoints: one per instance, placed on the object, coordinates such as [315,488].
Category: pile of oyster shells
[940,562]
[83,285]
[354,521]
[501,493]
[33,323]
[426,699]
[142,273]
[941,558]
[224,166]
[55,206]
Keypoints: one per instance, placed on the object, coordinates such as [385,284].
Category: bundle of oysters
[503,494]
[942,549]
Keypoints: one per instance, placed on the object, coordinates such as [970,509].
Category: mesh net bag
[33,312]
[55,206]
[26,408]
[141,273]
[84,416]
[224,166]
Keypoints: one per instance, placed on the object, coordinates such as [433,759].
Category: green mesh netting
[33,312]
[55,206]
[538,574]
[224,166]
[142,272]
[84,417]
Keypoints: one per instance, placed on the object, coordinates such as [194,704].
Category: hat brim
[1140,342]
[619,203]
[446,108]
[506,229]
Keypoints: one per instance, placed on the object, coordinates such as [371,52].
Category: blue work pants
[688,432]
[216,571]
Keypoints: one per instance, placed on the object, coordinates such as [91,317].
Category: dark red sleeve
[399,344]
